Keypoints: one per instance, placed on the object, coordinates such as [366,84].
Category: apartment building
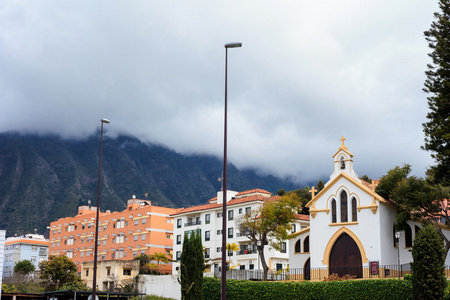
[140,229]
[208,218]
[2,254]
[32,247]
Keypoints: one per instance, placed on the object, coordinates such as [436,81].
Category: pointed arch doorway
[345,257]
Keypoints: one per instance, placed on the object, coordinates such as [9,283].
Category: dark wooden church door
[345,257]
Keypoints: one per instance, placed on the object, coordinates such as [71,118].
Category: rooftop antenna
[89,203]
[220,179]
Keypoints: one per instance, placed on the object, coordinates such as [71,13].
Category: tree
[366,178]
[320,186]
[269,224]
[416,199]
[428,278]
[231,247]
[159,257]
[24,267]
[57,271]
[437,128]
[192,266]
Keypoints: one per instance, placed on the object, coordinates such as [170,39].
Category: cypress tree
[192,266]
[428,265]
[437,129]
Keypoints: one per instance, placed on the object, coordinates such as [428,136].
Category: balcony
[244,252]
[193,223]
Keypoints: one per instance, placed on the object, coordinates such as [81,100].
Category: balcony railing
[192,223]
[243,252]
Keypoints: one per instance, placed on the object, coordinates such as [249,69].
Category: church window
[393,236]
[298,246]
[354,211]
[344,213]
[342,163]
[306,244]
[408,236]
[333,211]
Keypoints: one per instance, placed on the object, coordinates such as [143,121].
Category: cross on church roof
[342,140]
[313,192]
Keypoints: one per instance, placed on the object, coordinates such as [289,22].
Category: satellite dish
[90,297]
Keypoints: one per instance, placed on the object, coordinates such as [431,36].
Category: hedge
[339,290]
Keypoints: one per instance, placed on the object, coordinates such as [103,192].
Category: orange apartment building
[140,229]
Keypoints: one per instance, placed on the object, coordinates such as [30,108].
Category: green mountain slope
[43,178]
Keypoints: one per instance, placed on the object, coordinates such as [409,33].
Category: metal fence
[386,271]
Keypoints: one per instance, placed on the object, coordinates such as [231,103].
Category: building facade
[140,229]
[208,219]
[2,256]
[32,247]
[112,275]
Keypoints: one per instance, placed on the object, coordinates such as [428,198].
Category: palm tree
[231,247]
[159,257]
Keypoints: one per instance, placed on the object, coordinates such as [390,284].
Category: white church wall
[298,260]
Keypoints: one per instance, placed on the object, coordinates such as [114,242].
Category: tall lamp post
[397,240]
[224,192]
[94,281]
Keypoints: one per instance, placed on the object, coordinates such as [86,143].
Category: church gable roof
[359,183]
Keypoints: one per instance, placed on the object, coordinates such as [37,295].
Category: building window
[34,248]
[248,210]
[240,211]
[219,215]
[408,236]
[251,266]
[333,211]
[144,220]
[127,272]
[230,232]
[143,237]
[135,237]
[298,247]
[178,256]
[283,247]
[344,213]
[136,222]
[134,253]
[87,272]
[207,253]
[207,218]
[294,228]
[108,271]
[178,223]
[219,232]
[168,236]
[230,215]
[354,210]
[207,235]
[306,244]
[219,249]
[179,239]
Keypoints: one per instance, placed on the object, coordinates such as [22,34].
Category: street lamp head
[397,235]
[105,121]
[233,45]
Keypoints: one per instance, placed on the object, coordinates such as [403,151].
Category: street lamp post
[94,280]
[224,192]
[397,240]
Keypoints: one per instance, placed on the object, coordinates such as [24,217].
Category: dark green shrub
[428,251]
[350,289]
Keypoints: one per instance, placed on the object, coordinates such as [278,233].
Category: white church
[352,229]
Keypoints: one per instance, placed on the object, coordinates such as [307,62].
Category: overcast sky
[308,73]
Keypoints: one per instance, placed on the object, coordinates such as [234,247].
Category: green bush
[350,289]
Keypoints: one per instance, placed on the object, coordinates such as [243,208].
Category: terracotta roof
[27,241]
[229,203]
[302,217]
[253,191]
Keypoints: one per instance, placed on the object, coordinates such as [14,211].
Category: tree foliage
[159,257]
[57,271]
[24,267]
[437,84]
[192,266]
[428,277]
[269,224]
[415,198]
